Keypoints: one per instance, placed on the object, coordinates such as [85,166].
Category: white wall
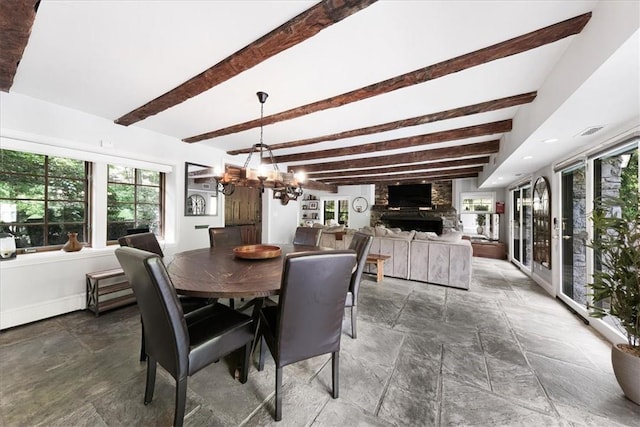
[278,222]
[36,286]
[470,185]
[357,220]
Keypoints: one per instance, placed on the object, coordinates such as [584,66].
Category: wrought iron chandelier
[285,186]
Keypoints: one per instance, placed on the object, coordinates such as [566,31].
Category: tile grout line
[376,411]
[486,363]
[440,388]
[524,354]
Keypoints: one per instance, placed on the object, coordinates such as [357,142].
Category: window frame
[136,184]
[482,199]
[46,220]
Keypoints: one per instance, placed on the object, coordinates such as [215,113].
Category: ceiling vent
[590,130]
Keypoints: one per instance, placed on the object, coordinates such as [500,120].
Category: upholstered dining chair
[307,321]
[148,242]
[307,236]
[225,236]
[181,344]
[361,243]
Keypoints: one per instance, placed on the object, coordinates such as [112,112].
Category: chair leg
[181,401]
[335,363]
[354,324]
[246,358]
[232,303]
[151,380]
[278,416]
[263,344]
[143,350]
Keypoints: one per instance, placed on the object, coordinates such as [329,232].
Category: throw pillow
[381,231]
[368,230]
[448,237]
[406,235]
[426,235]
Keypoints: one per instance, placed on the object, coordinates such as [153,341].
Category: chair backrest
[312,295]
[361,243]
[145,241]
[307,236]
[165,330]
[225,236]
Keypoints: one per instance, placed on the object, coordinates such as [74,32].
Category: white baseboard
[43,310]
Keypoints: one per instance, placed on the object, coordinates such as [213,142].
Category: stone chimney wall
[441,199]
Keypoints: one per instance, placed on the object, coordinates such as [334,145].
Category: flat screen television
[410,196]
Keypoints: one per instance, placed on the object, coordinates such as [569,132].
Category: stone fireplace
[441,217]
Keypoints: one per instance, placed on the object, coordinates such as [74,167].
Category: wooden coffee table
[378,260]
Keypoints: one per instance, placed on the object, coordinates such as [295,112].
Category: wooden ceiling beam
[467,150]
[16,21]
[394,169]
[386,179]
[483,107]
[500,50]
[295,31]
[394,144]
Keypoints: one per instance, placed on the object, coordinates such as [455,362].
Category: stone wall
[441,200]
[441,194]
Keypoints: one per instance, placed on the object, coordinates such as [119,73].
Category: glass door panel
[615,175]
[515,221]
[527,226]
[522,226]
[574,235]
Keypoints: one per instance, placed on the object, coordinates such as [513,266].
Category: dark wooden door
[244,208]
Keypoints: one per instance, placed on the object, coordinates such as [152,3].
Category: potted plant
[615,288]
[480,221]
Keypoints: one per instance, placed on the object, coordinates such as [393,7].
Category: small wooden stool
[378,260]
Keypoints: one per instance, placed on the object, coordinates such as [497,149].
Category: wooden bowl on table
[257,251]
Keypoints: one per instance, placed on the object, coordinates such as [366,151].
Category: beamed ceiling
[360,92]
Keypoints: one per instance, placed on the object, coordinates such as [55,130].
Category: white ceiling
[110,57]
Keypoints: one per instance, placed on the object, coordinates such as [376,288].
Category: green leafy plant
[480,220]
[616,283]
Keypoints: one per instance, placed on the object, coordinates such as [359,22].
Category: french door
[573,229]
[614,173]
[521,227]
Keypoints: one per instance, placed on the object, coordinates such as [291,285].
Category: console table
[489,249]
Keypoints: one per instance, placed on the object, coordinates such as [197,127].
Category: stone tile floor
[503,353]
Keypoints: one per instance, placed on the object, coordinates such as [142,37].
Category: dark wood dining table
[218,273]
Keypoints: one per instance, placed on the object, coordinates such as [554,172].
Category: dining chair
[307,321]
[148,242]
[307,236]
[225,236]
[361,244]
[181,343]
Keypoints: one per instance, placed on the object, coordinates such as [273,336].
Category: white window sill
[55,256]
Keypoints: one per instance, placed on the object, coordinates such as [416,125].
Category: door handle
[565,237]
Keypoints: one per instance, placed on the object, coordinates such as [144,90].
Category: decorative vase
[626,367]
[72,245]
[480,229]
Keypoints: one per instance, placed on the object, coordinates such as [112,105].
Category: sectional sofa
[426,257]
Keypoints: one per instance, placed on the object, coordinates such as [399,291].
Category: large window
[42,198]
[598,174]
[134,200]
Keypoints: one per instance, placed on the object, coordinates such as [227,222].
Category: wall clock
[360,204]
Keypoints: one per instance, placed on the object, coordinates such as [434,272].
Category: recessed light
[550,140]
[499,178]
[527,158]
